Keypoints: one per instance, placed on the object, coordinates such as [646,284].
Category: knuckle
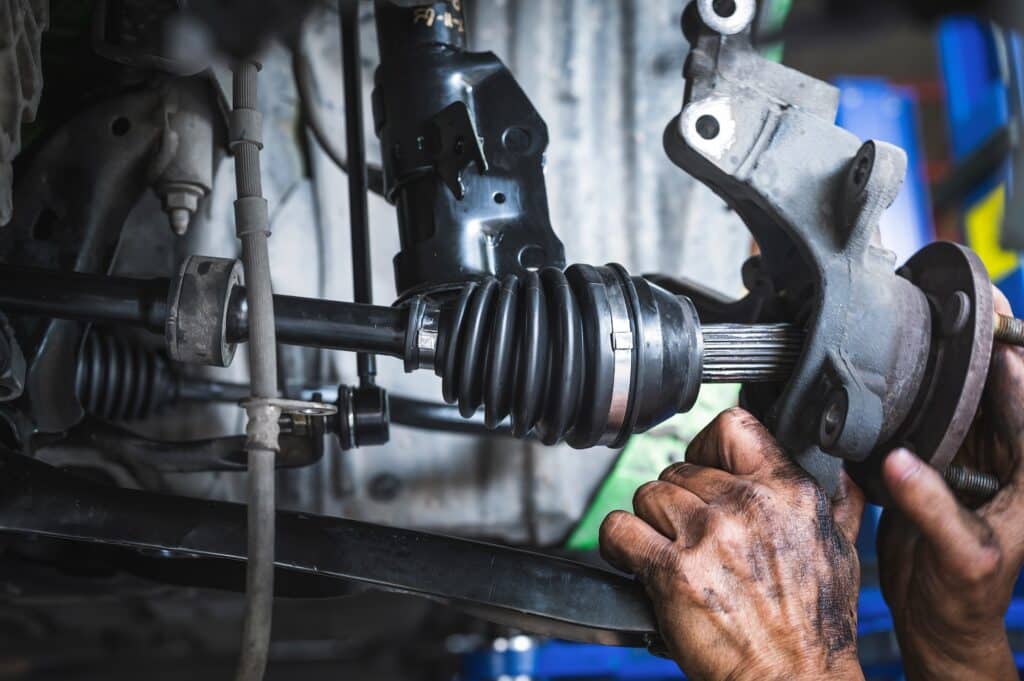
[698,526]
[984,567]
[659,563]
[798,484]
[737,413]
[729,421]
[739,431]
[611,527]
[646,494]
[806,486]
[714,518]
[678,470]
[727,530]
[748,497]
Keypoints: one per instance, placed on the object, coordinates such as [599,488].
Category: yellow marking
[426,14]
[984,222]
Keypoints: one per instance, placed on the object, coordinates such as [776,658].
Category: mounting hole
[121,126]
[728,17]
[724,8]
[708,127]
[862,171]
[833,419]
[531,258]
[500,198]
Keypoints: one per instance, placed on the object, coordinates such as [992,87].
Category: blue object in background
[520,657]
[977,100]
[524,659]
[874,109]
[981,64]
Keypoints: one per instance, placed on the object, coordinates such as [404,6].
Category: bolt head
[833,418]
[956,312]
[517,140]
[181,202]
[179,219]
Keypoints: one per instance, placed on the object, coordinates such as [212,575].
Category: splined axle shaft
[750,353]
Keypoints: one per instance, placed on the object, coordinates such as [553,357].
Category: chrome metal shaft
[750,353]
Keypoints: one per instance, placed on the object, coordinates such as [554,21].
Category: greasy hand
[751,569]
[948,572]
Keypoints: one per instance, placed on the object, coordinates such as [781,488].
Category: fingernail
[903,464]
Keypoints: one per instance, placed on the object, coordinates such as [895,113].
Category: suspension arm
[547,595]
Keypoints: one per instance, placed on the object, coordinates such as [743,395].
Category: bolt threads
[739,353]
[1009,330]
[972,483]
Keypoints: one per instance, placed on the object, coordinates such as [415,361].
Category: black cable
[358,207]
[313,119]
[969,173]
[413,413]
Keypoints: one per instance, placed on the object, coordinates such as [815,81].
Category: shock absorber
[463,153]
[589,356]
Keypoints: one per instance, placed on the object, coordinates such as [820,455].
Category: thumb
[959,538]
[848,507]
[1004,391]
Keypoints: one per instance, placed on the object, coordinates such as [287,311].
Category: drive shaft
[748,353]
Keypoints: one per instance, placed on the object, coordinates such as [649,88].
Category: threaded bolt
[972,483]
[1009,330]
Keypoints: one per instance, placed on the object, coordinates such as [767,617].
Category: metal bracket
[456,145]
[764,138]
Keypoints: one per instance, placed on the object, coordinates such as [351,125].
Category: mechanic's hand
[948,572]
[751,569]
